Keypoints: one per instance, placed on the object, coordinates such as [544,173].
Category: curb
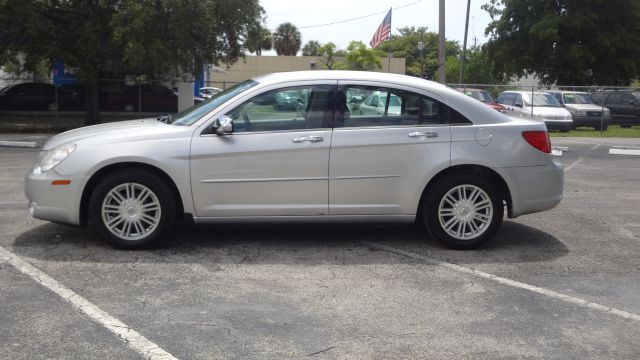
[19,144]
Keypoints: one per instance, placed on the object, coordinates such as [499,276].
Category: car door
[275,163]
[614,103]
[379,162]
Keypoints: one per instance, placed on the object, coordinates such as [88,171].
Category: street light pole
[421,48]
[442,56]
[464,47]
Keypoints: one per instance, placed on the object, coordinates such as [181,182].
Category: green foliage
[258,39]
[327,55]
[96,38]
[570,42]
[287,39]
[312,48]
[359,57]
[405,46]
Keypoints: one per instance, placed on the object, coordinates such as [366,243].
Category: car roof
[525,92]
[566,92]
[348,75]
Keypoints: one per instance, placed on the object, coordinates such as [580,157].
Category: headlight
[581,113]
[53,157]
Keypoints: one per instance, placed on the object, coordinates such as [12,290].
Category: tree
[405,45]
[117,38]
[570,42]
[287,39]
[328,54]
[258,39]
[312,48]
[361,58]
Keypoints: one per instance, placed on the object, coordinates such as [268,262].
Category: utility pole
[442,56]
[464,46]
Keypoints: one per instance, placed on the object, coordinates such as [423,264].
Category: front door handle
[311,139]
[426,134]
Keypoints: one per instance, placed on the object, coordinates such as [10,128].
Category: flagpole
[389,40]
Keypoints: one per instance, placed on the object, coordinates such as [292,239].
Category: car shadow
[301,245]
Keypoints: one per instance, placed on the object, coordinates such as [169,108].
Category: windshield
[483,96]
[191,115]
[577,98]
[546,100]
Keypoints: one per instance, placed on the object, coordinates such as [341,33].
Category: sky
[305,13]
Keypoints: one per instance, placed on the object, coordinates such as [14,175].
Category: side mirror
[223,125]
[518,105]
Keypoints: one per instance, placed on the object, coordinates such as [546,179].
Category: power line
[359,17]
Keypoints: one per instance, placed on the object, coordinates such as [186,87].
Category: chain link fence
[560,107]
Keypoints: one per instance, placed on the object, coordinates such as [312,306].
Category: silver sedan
[441,158]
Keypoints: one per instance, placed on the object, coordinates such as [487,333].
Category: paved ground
[336,292]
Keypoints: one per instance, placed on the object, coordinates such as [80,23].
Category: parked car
[152,97]
[286,100]
[443,159]
[483,96]
[583,110]
[376,104]
[543,107]
[623,104]
[38,97]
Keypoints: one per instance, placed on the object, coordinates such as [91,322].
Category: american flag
[383,32]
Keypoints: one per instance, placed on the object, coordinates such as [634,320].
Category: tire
[448,219]
[129,108]
[52,107]
[132,209]
[604,127]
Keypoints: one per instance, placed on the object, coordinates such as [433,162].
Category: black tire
[604,127]
[162,219]
[434,198]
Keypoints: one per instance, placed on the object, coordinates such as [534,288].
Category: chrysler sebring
[440,158]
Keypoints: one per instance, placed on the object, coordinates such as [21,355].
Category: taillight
[538,139]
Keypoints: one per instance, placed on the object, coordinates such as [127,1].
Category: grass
[614,131]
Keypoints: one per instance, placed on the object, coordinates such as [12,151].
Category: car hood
[588,107]
[548,110]
[114,132]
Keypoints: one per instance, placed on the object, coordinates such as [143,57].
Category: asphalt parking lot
[562,284]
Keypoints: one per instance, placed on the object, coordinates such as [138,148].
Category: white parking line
[595,147]
[509,282]
[573,164]
[614,151]
[131,337]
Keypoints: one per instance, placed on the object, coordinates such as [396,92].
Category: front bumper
[591,121]
[535,188]
[57,203]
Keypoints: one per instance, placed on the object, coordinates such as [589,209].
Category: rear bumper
[57,203]
[534,188]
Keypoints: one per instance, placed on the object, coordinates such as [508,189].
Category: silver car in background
[540,106]
[584,111]
[443,159]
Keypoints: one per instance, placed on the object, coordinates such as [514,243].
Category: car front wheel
[463,211]
[132,209]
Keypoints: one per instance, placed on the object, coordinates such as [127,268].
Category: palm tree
[287,39]
[312,48]
[258,39]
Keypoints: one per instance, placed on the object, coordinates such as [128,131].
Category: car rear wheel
[132,209]
[463,211]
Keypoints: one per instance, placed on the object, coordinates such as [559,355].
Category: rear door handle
[311,139]
[425,134]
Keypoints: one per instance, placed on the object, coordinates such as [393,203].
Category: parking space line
[594,147]
[573,164]
[623,151]
[504,281]
[131,337]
